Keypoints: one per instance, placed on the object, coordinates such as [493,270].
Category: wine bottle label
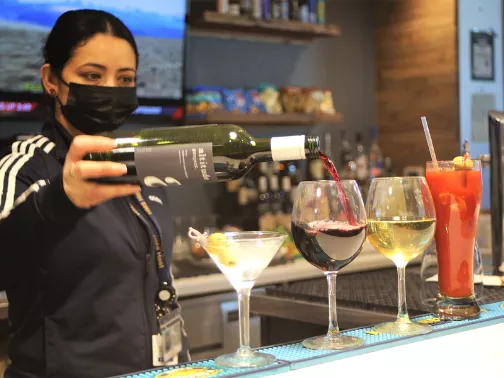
[175,164]
[288,148]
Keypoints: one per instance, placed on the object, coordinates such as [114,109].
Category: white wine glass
[401,225]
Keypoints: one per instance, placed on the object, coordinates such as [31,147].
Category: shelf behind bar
[243,27]
[285,119]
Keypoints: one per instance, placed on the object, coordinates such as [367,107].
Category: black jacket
[80,283]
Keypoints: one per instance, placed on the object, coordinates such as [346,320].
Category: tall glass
[401,224]
[456,189]
[329,228]
[429,287]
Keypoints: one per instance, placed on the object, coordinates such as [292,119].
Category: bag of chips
[234,100]
[270,97]
[203,99]
[254,102]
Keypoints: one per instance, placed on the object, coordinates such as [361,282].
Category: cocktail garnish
[463,163]
[216,244]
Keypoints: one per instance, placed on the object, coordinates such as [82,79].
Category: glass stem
[402,313]
[333,317]
[244,321]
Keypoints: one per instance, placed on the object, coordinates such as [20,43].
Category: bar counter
[363,298]
[296,310]
[366,298]
[464,348]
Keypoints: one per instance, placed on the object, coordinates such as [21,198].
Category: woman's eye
[92,76]
[127,80]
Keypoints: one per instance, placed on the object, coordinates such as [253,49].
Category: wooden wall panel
[416,75]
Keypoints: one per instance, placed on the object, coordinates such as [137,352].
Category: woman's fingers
[85,144]
[88,194]
[86,170]
[77,173]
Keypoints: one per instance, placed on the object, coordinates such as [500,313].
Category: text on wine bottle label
[173,164]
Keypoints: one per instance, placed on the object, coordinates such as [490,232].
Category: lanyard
[166,292]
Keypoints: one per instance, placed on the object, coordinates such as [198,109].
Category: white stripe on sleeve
[32,189]
[21,153]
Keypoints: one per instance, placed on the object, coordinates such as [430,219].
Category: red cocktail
[456,188]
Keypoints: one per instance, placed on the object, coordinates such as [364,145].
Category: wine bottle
[208,153]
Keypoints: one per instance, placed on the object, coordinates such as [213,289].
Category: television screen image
[158,27]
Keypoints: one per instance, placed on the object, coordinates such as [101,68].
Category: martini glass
[242,257]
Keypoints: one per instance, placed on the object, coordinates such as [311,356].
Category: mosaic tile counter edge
[277,367]
[294,356]
[300,357]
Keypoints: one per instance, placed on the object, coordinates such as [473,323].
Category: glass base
[333,343]
[245,359]
[456,308]
[403,328]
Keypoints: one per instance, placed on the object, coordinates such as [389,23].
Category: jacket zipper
[147,259]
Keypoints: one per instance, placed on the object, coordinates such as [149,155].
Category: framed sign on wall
[482,55]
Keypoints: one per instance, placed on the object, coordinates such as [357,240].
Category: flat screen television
[159,30]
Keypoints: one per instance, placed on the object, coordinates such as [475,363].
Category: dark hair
[73,29]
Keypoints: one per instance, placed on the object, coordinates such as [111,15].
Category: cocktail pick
[196,235]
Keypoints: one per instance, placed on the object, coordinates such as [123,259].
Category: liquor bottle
[346,158]
[294,179]
[208,153]
[375,156]
[312,11]
[361,161]
[264,170]
[243,194]
[266,9]
[276,9]
[234,7]
[247,203]
[275,198]
[257,9]
[286,195]
[388,168]
[284,216]
[267,221]
[362,167]
[223,6]
[284,10]
[263,203]
[245,7]
[304,11]
[321,12]
[295,13]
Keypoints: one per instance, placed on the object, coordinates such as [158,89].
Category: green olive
[462,164]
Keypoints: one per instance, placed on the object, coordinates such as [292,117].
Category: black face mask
[94,109]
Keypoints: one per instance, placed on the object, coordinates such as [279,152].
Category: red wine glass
[329,228]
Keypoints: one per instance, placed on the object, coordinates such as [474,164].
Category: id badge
[168,344]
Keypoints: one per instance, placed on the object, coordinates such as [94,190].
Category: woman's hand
[76,173]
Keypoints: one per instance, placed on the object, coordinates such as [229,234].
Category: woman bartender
[84,264]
